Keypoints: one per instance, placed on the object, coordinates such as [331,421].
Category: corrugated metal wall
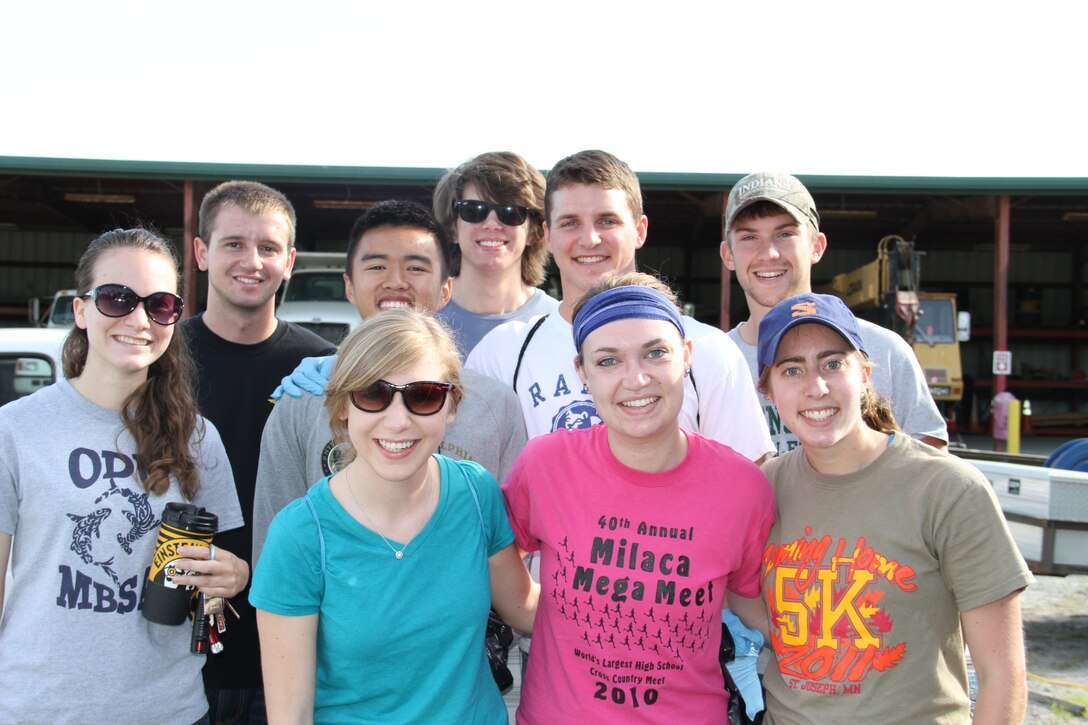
[36,264]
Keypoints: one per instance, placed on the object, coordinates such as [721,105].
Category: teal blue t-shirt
[398,641]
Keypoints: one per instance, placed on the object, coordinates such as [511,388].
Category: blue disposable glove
[748,642]
[311,376]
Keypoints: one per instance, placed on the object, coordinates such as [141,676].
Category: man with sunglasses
[398,256]
[492,207]
[246,245]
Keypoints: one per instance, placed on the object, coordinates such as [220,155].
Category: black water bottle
[165,602]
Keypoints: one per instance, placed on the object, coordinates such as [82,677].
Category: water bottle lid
[188,517]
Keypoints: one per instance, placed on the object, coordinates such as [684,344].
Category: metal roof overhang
[200,171]
[190,172]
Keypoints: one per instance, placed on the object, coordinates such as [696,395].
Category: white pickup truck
[314,296]
[29,359]
[59,314]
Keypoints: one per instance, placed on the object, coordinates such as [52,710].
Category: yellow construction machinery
[885,291]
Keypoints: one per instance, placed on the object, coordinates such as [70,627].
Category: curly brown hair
[160,415]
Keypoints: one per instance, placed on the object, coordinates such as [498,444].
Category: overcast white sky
[953,88]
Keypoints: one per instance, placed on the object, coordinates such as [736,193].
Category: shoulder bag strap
[691,377]
[521,354]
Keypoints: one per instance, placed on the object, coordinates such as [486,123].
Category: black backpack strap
[691,377]
[524,346]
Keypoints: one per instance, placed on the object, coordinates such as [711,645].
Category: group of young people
[646,493]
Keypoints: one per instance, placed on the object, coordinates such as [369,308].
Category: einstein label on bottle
[183,524]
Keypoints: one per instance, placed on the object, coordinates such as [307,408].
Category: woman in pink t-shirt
[642,527]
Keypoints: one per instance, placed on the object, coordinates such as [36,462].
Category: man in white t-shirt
[771,240]
[594,224]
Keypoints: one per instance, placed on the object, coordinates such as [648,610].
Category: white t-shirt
[721,404]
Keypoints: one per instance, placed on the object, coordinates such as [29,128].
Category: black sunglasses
[475,211]
[420,398]
[117,300]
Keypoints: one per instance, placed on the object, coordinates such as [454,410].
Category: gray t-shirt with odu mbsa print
[74,646]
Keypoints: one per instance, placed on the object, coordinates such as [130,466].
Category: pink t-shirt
[633,570]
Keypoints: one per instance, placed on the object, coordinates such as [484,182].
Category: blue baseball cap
[797,310]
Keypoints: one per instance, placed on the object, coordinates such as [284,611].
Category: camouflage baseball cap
[782,189]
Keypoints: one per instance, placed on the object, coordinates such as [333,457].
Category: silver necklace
[399,554]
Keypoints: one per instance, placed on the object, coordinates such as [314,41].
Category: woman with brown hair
[90,463]
[887,556]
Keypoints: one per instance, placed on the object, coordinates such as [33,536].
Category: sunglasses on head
[420,398]
[117,300]
[475,211]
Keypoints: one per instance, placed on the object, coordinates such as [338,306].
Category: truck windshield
[62,314]
[315,287]
[936,324]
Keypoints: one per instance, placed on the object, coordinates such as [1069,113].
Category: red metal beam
[188,264]
[1001,284]
[727,279]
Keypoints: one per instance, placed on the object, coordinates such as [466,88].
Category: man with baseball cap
[772,238]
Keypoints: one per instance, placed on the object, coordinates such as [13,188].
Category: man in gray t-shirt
[771,240]
[492,208]
[397,256]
